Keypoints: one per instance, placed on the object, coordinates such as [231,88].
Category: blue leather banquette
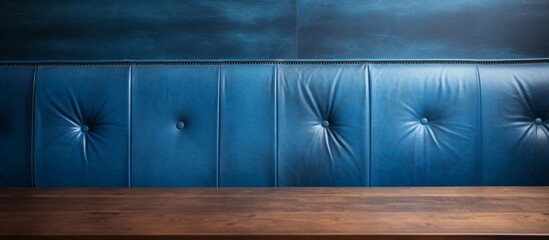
[274,124]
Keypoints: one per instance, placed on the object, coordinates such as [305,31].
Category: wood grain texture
[276,213]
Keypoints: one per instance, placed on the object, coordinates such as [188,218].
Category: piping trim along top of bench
[269,61]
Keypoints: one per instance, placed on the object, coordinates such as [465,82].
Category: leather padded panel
[323,125]
[247,138]
[16,86]
[515,144]
[281,124]
[425,125]
[174,126]
[82,126]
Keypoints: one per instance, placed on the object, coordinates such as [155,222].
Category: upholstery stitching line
[286,62]
[33,184]
[130,95]
[479,92]
[276,123]
[369,85]
[218,125]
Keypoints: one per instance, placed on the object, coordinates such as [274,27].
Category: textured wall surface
[273,29]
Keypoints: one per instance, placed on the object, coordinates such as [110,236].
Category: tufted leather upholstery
[165,153]
[515,103]
[323,118]
[427,118]
[274,125]
[81,126]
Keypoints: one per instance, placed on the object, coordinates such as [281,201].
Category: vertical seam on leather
[218,123]
[276,123]
[296,22]
[130,89]
[33,185]
[479,92]
[368,84]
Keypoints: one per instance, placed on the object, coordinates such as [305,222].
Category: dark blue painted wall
[273,29]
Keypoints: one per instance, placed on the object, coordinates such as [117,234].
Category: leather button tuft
[180,125]
[325,124]
[424,121]
[538,121]
[84,128]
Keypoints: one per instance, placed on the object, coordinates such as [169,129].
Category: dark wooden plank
[276,213]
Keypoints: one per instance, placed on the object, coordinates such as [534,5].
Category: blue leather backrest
[323,125]
[270,124]
[426,118]
[247,126]
[16,97]
[515,124]
[174,125]
[81,129]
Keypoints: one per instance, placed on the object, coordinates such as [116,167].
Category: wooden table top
[276,213]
